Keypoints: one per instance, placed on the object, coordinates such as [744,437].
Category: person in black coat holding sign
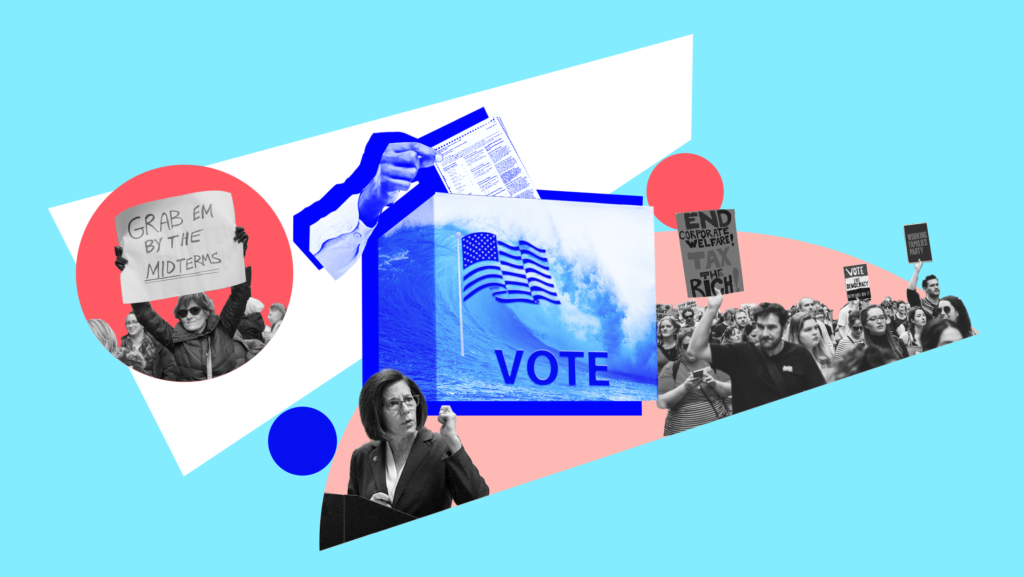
[201,341]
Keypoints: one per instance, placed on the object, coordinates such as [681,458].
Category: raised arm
[154,324]
[234,309]
[462,478]
[700,343]
[913,298]
[339,238]
[912,285]
[147,317]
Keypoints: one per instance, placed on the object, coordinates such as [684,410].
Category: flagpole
[458,245]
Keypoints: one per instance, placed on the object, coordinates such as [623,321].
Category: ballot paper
[482,161]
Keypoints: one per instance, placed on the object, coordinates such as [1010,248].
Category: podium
[344,518]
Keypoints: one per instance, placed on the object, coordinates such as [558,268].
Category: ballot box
[515,306]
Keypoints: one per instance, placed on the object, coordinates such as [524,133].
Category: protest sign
[179,245]
[711,253]
[663,310]
[857,287]
[919,247]
[687,305]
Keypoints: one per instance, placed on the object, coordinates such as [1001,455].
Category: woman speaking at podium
[406,466]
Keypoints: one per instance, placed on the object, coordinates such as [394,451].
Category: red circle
[268,252]
[683,183]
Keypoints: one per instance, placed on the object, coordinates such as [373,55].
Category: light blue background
[833,126]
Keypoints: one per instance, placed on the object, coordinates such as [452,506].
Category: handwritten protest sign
[711,252]
[179,245]
[919,247]
[663,310]
[687,305]
[857,287]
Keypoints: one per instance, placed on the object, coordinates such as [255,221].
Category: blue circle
[302,441]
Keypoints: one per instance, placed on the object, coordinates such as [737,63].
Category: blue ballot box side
[426,317]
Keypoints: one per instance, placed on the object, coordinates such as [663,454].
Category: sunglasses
[947,309]
[857,329]
[182,313]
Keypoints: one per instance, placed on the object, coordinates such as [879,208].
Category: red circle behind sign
[683,183]
[268,253]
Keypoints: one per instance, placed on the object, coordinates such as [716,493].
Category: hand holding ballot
[338,238]
[477,159]
[398,168]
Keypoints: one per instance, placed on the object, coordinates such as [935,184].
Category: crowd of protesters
[202,344]
[712,363]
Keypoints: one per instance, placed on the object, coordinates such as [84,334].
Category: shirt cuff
[342,240]
[343,221]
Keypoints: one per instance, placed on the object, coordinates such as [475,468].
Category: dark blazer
[432,476]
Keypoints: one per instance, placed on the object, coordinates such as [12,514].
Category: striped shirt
[846,344]
[698,406]
[691,415]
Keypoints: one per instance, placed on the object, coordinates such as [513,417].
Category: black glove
[120,261]
[243,238]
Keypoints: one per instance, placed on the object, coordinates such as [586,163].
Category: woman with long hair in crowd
[953,309]
[668,341]
[860,359]
[734,335]
[105,335]
[202,341]
[148,356]
[692,391]
[750,334]
[917,318]
[877,333]
[939,332]
[805,331]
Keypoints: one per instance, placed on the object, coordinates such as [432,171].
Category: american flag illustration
[515,274]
